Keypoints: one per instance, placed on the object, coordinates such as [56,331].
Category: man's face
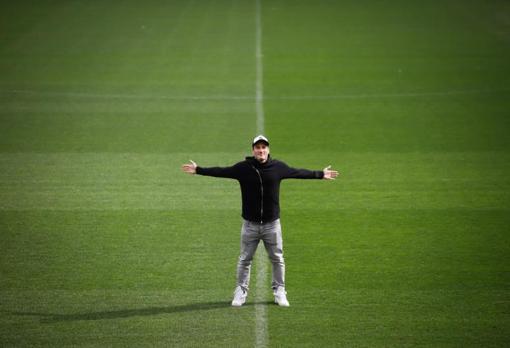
[260,152]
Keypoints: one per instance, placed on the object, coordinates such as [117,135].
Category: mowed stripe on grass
[88,181]
[409,247]
[105,241]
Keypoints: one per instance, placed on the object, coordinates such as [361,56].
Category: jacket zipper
[261,195]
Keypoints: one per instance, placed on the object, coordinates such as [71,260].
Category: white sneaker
[239,297]
[280,297]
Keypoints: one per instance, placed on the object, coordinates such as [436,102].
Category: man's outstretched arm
[295,173]
[219,172]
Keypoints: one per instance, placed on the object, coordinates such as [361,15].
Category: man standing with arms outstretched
[259,177]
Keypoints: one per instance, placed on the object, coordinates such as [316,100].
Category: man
[259,177]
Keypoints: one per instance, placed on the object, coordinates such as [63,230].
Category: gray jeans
[251,234]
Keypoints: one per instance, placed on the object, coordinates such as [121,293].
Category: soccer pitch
[105,242]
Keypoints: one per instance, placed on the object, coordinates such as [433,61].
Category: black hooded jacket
[260,184]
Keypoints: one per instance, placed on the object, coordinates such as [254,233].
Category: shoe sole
[281,305]
[238,304]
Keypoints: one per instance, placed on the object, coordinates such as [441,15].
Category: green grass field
[105,242]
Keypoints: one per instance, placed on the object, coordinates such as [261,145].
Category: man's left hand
[330,174]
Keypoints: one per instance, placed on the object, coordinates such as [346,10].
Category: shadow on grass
[49,318]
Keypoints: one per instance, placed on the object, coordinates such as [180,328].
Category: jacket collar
[253,161]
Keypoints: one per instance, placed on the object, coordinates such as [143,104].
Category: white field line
[125,96]
[389,95]
[261,326]
[259,91]
[258,97]
[261,335]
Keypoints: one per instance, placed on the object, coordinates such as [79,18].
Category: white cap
[260,138]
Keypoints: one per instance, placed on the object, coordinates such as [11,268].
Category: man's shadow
[49,318]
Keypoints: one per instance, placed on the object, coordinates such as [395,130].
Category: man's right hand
[190,168]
